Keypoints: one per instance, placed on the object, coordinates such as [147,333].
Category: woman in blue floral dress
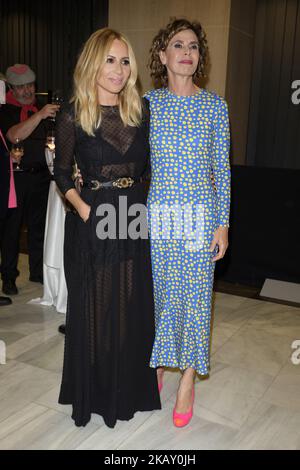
[188,214]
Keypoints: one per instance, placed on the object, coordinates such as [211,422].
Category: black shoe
[36,279]
[62,329]
[5,301]
[9,287]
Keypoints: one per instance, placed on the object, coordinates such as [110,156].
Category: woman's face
[181,56]
[115,72]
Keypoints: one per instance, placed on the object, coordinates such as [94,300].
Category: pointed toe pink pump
[182,419]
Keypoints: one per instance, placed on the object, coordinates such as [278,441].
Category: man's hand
[49,110]
[23,129]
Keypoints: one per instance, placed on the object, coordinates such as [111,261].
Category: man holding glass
[25,124]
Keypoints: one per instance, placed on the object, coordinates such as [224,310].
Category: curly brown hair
[158,71]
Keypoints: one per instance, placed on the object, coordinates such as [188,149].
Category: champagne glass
[50,141]
[56,99]
[17,152]
[50,145]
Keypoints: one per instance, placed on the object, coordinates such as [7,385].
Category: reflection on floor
[250,401]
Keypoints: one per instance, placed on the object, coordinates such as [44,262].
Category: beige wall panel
[141,48]
[140,20]
[217,37]
[141,14]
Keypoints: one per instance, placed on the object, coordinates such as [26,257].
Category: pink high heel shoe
[182,419]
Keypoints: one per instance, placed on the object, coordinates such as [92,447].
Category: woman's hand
[78,180]
[84,211]
[80,206]
[220,239]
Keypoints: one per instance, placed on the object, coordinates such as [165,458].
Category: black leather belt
[120,183]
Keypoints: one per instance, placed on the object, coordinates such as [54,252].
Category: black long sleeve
[64,150]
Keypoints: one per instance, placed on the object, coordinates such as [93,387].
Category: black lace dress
[110,312]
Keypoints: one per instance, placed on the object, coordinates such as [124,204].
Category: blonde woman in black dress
[110,323]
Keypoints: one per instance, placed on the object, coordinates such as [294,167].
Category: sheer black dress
[110,310]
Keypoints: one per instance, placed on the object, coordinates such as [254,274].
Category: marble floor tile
[46,355]
[220,334]
[277,319]
[4,368]
[49,399]
[255,349]
[269,427]
[225,402]
[232,301]
[224,376]
[250,400]
[50,430]
[36,340]
[239,316]
[107,438]
[285,389]
[213,417]
[104,437]
[10,337]
[158,432]
[20,384]
[26,320]
[20,418]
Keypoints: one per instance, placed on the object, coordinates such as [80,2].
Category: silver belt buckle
[97,185]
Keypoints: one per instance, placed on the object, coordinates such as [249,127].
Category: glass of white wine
[50,141]
[17,152]
[57,99]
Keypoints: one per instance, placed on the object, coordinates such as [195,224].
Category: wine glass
[50,141]
[17,152]
[56,99]
[50,145]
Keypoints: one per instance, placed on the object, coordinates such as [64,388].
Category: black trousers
[32,197]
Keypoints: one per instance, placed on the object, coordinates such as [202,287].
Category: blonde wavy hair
[85,97]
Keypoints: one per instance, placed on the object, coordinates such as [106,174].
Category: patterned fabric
[190,141]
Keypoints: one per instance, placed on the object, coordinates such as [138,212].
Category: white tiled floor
[250,401]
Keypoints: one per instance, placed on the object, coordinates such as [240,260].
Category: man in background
[22,118]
